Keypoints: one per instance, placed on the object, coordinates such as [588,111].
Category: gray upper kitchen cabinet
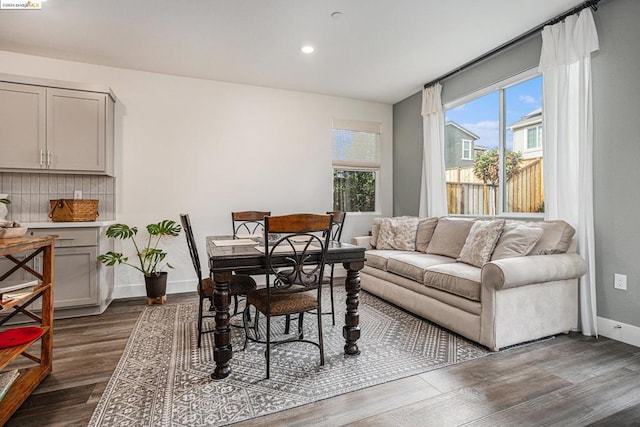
[56,129]
[22,126]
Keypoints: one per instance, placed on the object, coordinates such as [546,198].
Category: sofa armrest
[520,271]
[363,241]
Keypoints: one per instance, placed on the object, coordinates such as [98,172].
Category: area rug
[163,379]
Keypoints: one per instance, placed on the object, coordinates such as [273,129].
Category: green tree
[486,166]
[354,191]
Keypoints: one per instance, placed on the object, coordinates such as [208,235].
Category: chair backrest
[337,224]
[248,222]
[302,243]
[193,250]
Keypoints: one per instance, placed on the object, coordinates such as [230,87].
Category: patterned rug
[163,379]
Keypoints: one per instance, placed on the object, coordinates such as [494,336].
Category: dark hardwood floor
[568,380]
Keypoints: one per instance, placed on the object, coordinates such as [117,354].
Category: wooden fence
[524,192]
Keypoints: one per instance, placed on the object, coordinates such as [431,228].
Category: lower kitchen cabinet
[83,285]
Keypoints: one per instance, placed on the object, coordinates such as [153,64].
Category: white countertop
[51,224]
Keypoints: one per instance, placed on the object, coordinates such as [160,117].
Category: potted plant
[150,257]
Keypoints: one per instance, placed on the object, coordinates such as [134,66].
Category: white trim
[619,331]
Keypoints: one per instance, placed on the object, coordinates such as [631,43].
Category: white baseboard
[139,290]
[619,331]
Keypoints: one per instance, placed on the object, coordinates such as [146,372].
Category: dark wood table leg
[351,328]
[222,351]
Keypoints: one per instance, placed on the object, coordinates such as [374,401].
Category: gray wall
[616,105]
[407,155]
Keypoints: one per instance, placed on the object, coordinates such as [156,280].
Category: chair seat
[240,285]
[283,304]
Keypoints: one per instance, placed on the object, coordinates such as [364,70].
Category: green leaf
[5,201]
[121,231]
[112,258]
[164,228]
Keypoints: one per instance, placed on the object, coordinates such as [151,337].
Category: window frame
[538,145]
[470,149]
[359,166]
[500,87]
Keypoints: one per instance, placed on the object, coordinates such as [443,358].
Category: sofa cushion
[449,236]
[516,240]
[413,265]
[378,258]
[398,233]
[426,227]
[556,236]
[457,278]
[480,242]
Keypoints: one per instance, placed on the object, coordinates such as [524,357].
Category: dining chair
[335,235]
[295,260]
[240,284]
[248,222]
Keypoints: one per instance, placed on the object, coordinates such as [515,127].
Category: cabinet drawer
[70,237]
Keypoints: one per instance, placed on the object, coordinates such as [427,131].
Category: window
[506,174]
[534,137]
[356,163]
[466,150]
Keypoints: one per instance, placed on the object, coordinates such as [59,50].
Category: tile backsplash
[30,193]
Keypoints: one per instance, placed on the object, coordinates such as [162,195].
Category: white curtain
[565,64]
[433,197]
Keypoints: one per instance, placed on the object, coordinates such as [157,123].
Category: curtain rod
[590,3]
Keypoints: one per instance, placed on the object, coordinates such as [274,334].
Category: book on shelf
[16,291]
[6,379]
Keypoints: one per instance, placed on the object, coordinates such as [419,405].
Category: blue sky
[480,116]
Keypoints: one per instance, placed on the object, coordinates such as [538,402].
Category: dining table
[229,255]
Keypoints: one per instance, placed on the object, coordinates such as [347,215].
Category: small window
[356,164]
[467,149]
[534,137]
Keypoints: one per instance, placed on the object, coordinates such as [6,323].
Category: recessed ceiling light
[307,49]
[336,15]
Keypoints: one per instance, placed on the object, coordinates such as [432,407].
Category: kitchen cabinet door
[76,123]
[76,277]
[22,126]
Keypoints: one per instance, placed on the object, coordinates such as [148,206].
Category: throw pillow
[449,236]
[375,231]
[480,242]
[516,240]
[426,227]
[398,233]
[556,236]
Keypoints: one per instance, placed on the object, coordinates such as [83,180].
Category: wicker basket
[73,210]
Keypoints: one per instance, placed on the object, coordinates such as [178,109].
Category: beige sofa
[496,282]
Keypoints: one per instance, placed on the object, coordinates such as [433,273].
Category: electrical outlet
[620,281]
[77,194]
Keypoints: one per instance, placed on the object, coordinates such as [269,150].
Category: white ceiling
[379,50]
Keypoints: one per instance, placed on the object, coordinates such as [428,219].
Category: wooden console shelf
[30,377]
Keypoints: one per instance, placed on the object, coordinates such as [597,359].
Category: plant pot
[156,285]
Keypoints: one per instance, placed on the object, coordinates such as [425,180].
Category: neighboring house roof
[479,147]
[532,118]
[467,131]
